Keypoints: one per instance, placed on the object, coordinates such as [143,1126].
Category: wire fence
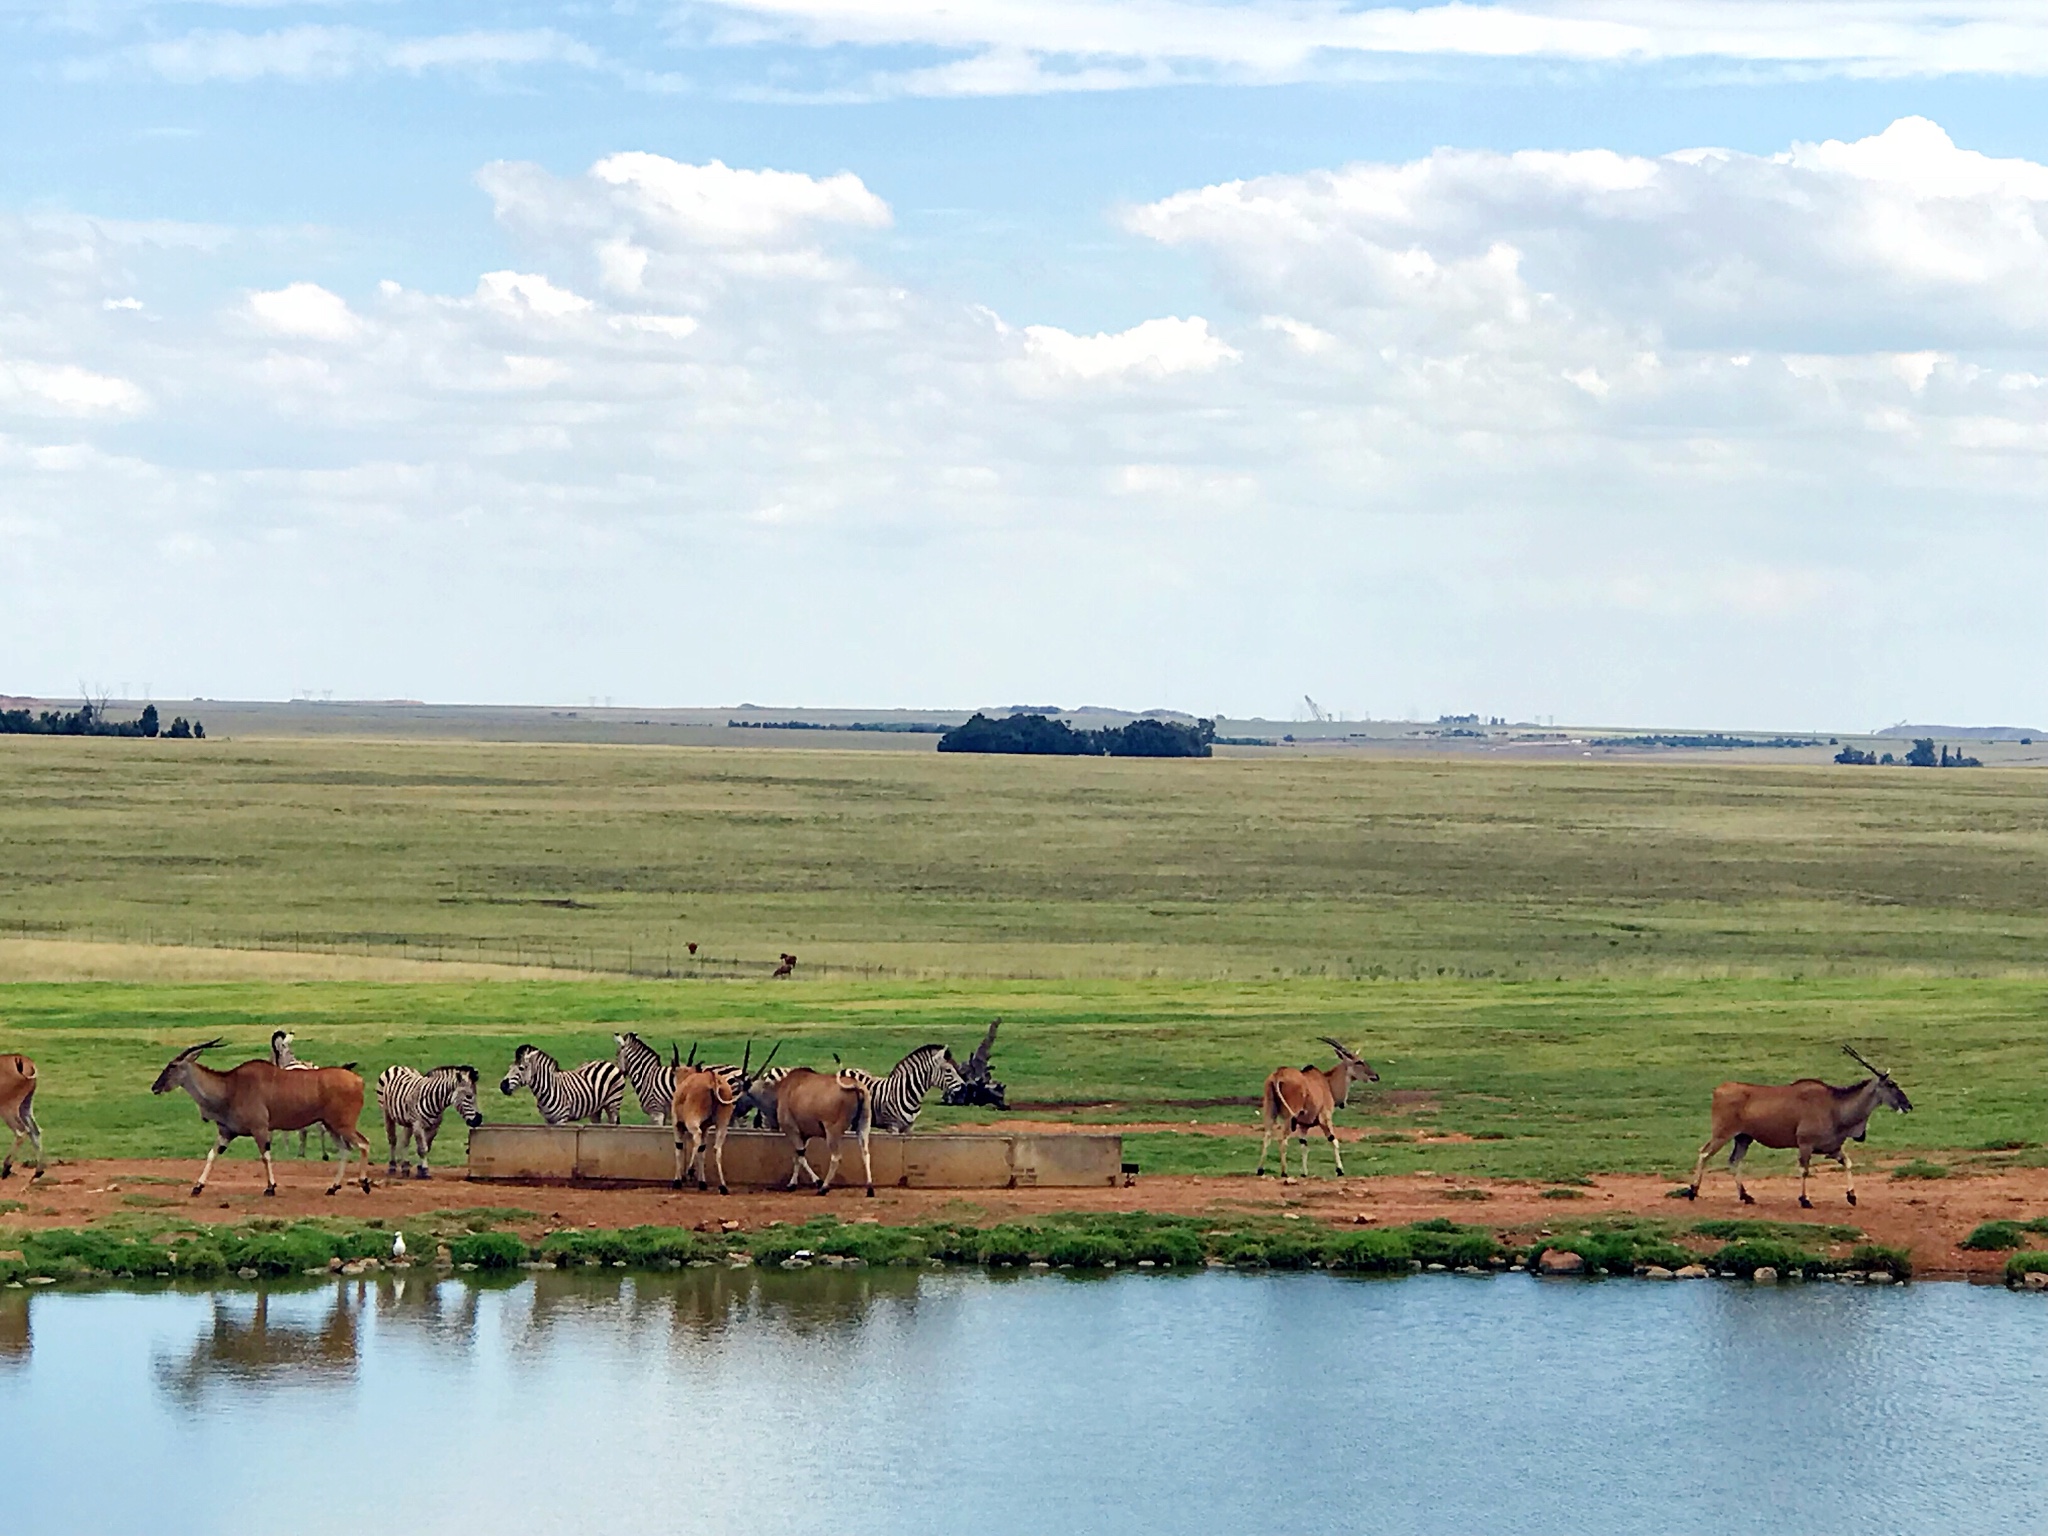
[655,960]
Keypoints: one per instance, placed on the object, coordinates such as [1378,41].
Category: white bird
[398,1246]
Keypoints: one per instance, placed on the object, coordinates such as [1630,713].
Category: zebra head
[520,1073]
[463,1101]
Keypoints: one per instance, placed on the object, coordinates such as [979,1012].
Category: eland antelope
[1807,1114]
[1300,1100]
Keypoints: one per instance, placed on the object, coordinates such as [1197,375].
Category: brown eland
[812,1104]
[1301,1099]
[18,1109]
[701,1111]
[258,1099]
[1808,1114]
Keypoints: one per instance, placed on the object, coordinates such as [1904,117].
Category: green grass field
[1551,1080]
[1557,961]
[917,865]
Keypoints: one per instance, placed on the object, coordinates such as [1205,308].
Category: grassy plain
[1542,1080]
[612,858]
[1552,964]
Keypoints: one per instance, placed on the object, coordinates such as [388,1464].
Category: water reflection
[16,1342]
[955,1400]
[261,1340]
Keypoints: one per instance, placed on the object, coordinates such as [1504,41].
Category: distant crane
[1316,712]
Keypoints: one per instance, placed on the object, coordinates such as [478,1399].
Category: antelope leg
[219,1146]
[1336,1152]
[1848,1173]
[341,1172]
[1735,1167]
[269,1173]
[1699,1169]
[1805,1164]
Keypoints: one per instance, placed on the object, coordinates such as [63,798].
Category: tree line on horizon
[1040,736]
[90,719]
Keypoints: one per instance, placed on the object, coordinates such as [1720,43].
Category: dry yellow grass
[57,960]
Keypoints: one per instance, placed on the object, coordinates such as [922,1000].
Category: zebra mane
[534,1050]
[461,1070]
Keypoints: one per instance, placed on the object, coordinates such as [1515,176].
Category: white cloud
[1018,46]
[1873,245]
[1474,417]
[305,310]
[716,205]
[313,52]
[524,294]
[1154,349]
[67,390]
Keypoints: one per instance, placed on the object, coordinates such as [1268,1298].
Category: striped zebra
[593,1091]
[282,1058]
[654,1080]
[414,1102]
[899,1097]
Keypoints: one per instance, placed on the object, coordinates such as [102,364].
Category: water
[842,1400]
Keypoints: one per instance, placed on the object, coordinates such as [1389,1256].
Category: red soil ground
[1928,1217]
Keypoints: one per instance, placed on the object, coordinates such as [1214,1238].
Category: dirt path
[1929,1218]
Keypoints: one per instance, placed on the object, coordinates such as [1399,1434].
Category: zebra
[899,1097]
[653,1080]
[593,1091]
[414,1102]
[282,1058]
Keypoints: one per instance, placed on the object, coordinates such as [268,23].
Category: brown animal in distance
[810,1104]
[18,1109]
[1807,1114]
[1300,1100]
[258,1099]
[787,968]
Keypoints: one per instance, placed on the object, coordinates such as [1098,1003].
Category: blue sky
[861,352]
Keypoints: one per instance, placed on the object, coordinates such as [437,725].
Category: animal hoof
[271,1191]
[423,1172]
[366,1185]
[1852,1197]
[871,1191]
[723,1190]
[7,1172]
[1748,1198]
[198,1189]
[1693,1193]
[1805,1204]
[675,1183]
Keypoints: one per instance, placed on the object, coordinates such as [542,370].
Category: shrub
[2021,1265]
[1995,1237]
[1872,1256]
[488,1250]
[1920,1168]
[1749,1254]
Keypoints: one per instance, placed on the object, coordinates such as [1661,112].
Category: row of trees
[90,719]
[1038,735]
[1923,755]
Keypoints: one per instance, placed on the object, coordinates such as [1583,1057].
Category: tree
[149,726]
[1922,755]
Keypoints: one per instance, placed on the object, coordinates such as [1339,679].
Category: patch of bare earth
[1928,1218]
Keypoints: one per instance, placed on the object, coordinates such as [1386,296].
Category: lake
[842,1400]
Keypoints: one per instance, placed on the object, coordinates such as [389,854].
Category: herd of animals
[702,1101]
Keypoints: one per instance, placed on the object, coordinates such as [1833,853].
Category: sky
[1655,362]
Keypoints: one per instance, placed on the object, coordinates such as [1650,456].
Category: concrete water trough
[645,1154]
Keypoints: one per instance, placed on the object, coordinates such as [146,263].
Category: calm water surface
[846,1400]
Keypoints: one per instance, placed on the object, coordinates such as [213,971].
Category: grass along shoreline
[137,1249]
